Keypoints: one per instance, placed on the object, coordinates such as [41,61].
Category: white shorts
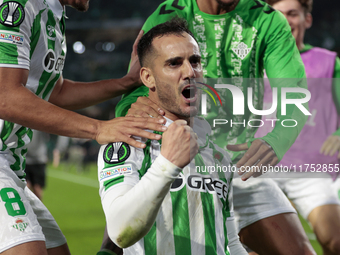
[23,217]
[308,193]
[336,187]
[256,199]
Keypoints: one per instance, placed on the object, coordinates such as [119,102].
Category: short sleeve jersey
[32,37]
[192,216]
[238,45]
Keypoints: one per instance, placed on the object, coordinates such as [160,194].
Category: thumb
[237,147]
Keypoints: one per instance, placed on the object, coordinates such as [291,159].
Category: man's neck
[216,8]
[169,114]
[175,117]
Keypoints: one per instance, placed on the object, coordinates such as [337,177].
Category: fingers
[122,128]
[238,147]
[144,107]
[135,44]
[252,154]
[330,146]
[182,123]
[142,123]
[259,154]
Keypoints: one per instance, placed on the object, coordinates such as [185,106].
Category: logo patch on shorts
[115,171]
[20,225]
[12,14]
[116,152]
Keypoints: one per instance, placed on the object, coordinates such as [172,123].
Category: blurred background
[99,45]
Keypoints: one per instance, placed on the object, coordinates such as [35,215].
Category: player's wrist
[130,81]
[167,167]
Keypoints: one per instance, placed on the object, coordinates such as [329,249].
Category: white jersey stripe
[196,217]
[165,233]
[219,228]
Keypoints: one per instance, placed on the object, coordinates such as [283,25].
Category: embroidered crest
[241,50]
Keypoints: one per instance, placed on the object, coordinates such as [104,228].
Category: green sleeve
[284,68]
[155,18]
[336,89]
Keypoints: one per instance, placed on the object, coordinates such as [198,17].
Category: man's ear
[308,20]
[147,77]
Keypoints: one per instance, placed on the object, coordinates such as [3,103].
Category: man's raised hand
[179,143]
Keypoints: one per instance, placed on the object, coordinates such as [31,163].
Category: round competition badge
[12,14]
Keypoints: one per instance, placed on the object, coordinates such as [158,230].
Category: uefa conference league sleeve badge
[12,14]
[115,153]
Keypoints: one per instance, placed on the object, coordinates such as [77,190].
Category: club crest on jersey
[51,32]
[241,50]
[116,152]
[20,225]
[12,14]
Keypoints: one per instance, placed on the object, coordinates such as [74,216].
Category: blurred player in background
[239,39]
[318,145]
[35,95]
[165,201]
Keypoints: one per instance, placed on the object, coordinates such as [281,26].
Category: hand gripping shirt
[238,45]
[193,215]
[32,36]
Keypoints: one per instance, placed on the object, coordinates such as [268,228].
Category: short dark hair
[176,26]
[307,5]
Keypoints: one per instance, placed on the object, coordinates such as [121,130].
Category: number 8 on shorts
[13,202]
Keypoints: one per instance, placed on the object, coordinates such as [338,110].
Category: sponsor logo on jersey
[116,152]
[178,184]
[12,14]
[201,184]
[51,63]
[20,225]
[241,50]
[115,171]
[12,38]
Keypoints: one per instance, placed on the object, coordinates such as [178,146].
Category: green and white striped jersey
[192,218]
[32,36]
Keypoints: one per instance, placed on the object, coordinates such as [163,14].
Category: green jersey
[238,45]
[194,213]
[31,37]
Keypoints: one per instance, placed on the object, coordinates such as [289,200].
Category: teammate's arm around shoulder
[131,207]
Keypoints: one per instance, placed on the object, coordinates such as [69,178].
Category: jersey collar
[56,8]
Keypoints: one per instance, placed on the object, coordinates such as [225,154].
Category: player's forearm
[133,212]
[285,132]
[77,95]
[23,107]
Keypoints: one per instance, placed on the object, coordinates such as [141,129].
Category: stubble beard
[169,102]
[227,6]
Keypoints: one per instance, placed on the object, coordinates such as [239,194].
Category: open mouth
[189,93]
